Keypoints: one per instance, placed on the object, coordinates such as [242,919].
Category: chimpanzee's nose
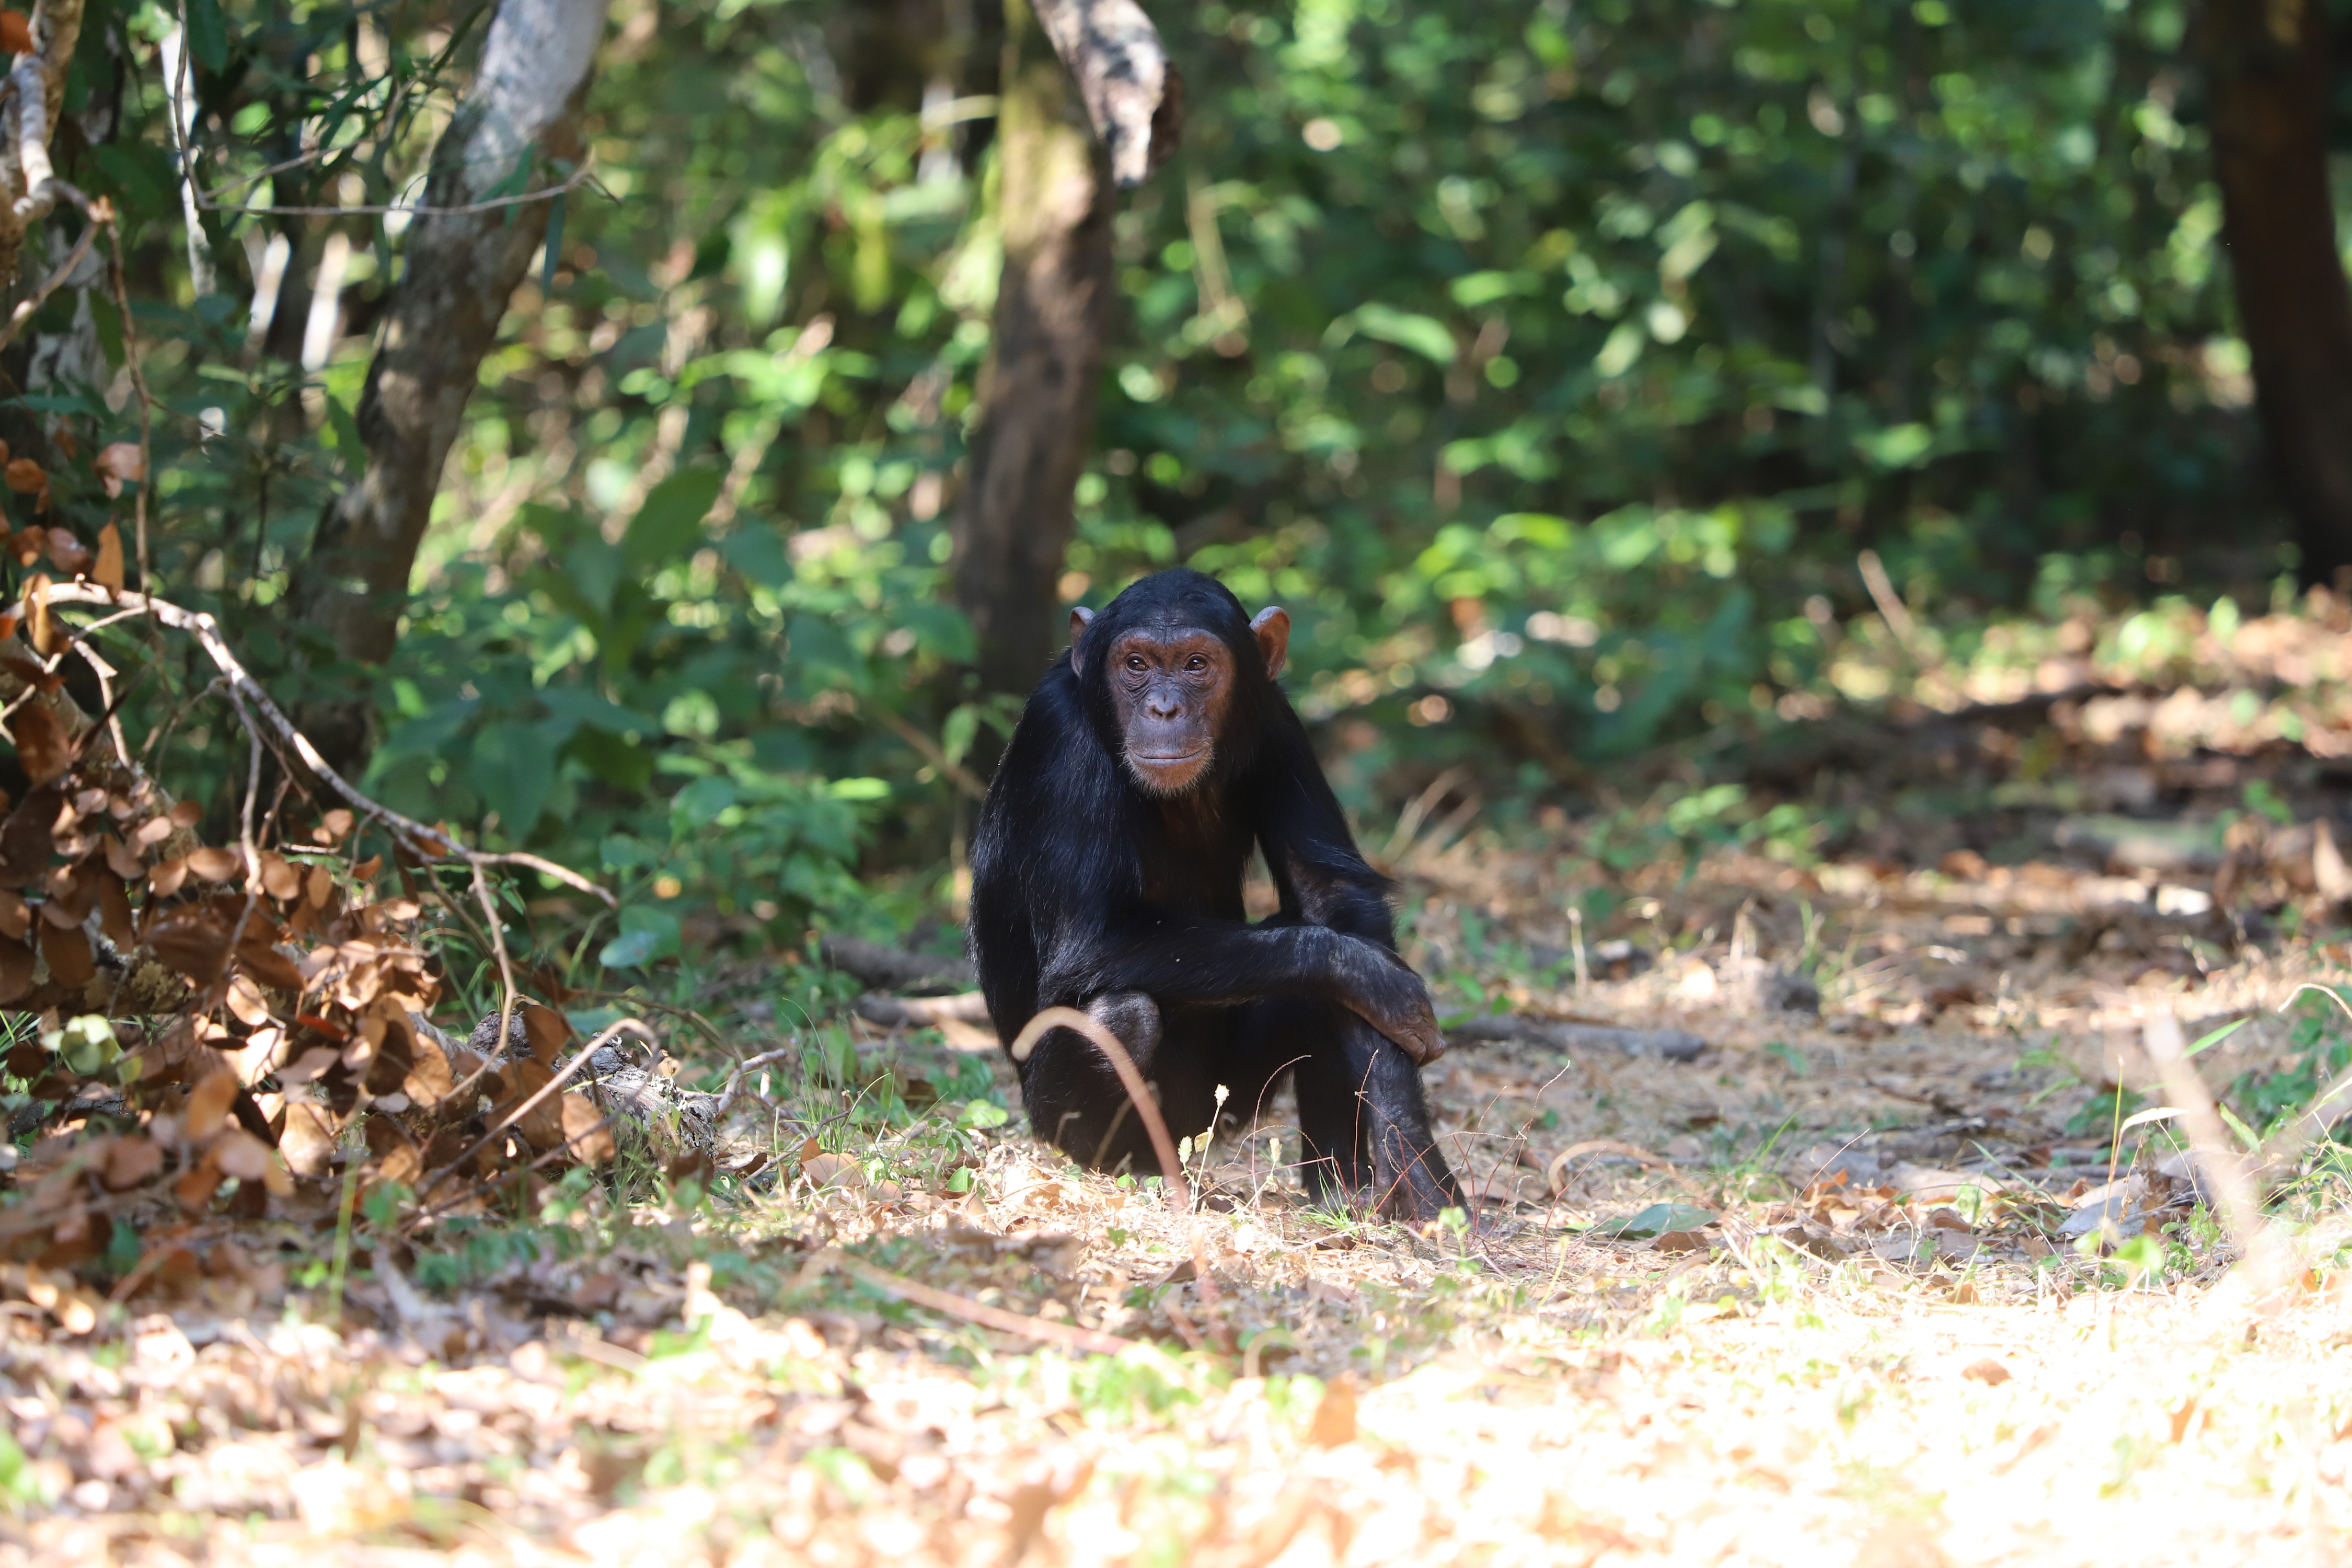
[1163,706]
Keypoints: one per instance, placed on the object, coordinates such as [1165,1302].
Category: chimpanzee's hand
[1382,989]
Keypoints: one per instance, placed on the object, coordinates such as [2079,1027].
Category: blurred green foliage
[1551,363]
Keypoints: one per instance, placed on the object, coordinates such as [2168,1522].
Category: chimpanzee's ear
[1080,618]
[1272,625]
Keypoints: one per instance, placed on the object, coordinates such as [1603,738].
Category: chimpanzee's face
[1173,689]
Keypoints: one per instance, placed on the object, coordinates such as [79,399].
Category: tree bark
[459,270]
[27,188]
[2267,70]
[1054,302]
[1014,521]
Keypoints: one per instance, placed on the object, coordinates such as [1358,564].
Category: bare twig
[49,285]
[954,772]
[579,177]
[430,844]
[2229,1175]
[139,389]
[1890,603]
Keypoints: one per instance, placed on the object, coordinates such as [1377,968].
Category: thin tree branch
[429,844]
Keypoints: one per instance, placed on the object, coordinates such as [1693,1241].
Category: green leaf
[514,771]
[2217,1036]
[698,805]
[1897,446]
[958,733]
[1424,335]
[1657,1220]
[207,34]
[646,936]
[619,762]
[669,525]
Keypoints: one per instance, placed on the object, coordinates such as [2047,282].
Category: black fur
[1089,892]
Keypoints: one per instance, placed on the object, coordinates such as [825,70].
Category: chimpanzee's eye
[1196,662]
[1135,662]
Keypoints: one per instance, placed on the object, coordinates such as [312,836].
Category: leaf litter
[1828,1201]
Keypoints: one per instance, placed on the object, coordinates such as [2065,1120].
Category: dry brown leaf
[42,744]
[580,1114]
[119,464]
[40,626]
[68,554]
[69,955]
[280,879]
[428,1082]
[309,1065]
[108,573]
[1335,1417]
[131,1161]
[243,999]
[214,865]
[187,813]
[73,893]
[114,916]
[15,971]
[208,1103]
[240,1154]
[192,944]
[319,887]
[122,859]
[308,1138]
[25,477]
[271,967]
[543,1127]
[165,880]
[334,828]
[195,1189]
[15,915]
[151,832]
[547,1029]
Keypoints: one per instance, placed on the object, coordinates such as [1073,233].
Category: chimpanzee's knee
[1134,1017]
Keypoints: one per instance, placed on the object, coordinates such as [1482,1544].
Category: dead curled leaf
[42,743]
[119,464]
[68,955]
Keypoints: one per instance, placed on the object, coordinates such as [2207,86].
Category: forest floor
[1851,1284]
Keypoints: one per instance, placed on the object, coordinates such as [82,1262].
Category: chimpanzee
[1106,876]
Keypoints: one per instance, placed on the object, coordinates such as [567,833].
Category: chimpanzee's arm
[1321,874]
[1224,962]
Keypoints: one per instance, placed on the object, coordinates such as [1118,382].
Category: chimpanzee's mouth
[1150,761]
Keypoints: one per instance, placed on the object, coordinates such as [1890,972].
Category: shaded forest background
[1603,388]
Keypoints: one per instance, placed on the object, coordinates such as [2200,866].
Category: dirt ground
[1802,1233]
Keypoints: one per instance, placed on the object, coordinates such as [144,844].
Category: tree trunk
[459,270]
[1052,307]
[2266,63]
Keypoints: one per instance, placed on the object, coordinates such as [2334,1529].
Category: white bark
[1132,93]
